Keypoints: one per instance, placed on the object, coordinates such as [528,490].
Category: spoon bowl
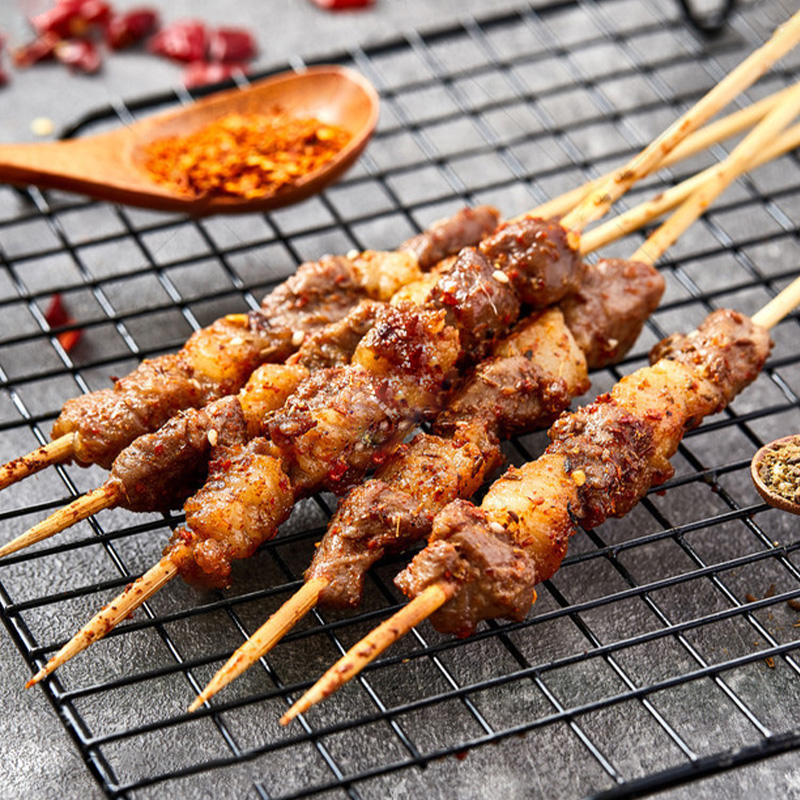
[110,166]
[775,470]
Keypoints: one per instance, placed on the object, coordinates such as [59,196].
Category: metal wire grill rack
[664,649]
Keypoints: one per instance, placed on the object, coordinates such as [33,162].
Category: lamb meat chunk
[160,470]
[607,312]
[445,237]
[539,257]
[479,300]
[494,577]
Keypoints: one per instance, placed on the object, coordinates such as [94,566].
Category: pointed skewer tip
[105,496]
[111,615]
[372,645]
[48,454]
[264,639]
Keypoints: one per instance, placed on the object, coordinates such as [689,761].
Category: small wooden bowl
[776,452]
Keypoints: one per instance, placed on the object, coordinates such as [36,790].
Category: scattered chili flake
[250,156]
[770,662]
[57,316]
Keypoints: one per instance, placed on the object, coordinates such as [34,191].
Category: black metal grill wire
[661,653]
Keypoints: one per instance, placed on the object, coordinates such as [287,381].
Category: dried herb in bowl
[780,469]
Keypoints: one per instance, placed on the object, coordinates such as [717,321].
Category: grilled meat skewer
[160,470]
[217,360]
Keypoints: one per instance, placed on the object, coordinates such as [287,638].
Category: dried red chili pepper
[181,41]
[80,55]
[231,44]
[199,73]
[124,30]
[42,48]
[58,317]
[72,18]
[338,5]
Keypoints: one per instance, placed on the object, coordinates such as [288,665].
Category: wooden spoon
[109,166]
[775,469]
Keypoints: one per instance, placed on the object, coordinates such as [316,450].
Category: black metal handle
[709,24]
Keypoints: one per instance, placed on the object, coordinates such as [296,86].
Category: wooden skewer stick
[699,141]
[780,305]
[51,453]
[372,645]
[82,507]
[742,157]
[280,623]
[734,83]
[400,623]
[111,615]
[636,218]
[264,639]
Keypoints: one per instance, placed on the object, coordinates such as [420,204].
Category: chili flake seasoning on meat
[244,155]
